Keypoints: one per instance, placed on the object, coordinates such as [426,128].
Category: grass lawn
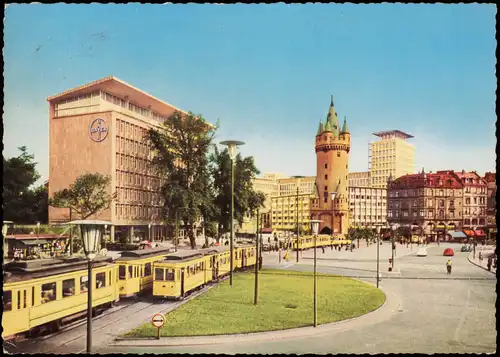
[285,301]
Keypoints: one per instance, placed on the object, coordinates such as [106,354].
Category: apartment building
[359,179]
[392,155]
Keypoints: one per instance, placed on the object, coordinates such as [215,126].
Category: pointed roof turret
[332,118]
[345,129]
[320,129]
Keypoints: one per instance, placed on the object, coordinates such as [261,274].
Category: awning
[479,233]
[33,242]
[458,235]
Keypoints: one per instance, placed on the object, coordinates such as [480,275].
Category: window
[147,269]
[159,274]
[100,280]
[7,300]
[48,292]
[84,283]
[326,177]
[130,271]
[19,299]
[68,287]
[170,276]
[326,166]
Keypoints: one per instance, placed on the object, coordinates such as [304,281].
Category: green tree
[246,199]
[181,148]
[87,196]
[23,203]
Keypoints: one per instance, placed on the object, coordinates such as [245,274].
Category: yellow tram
[46,293]
[135,273]
[184,271]
[307,242]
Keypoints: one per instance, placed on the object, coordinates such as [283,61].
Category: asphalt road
[438,313]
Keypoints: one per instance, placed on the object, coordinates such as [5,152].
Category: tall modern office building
[392,155]
[99,127]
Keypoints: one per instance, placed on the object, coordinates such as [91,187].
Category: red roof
[440,179]
[267,230]
[34,236]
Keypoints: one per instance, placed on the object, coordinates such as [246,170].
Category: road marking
[289,265]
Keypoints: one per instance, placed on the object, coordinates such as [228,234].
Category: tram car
[135,270]
[307,242]
[45,294]
[184,271]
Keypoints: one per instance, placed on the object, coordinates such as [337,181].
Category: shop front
[29,246]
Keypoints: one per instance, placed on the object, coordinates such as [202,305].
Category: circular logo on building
[98,130]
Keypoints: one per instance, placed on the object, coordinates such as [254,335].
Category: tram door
[182,282]
[214,268]
[244,258]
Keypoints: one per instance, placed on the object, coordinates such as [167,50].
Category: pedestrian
[495,262]
[448,266]
[323,249]
[331,246]
[490,261]
[286,255]
[480,256]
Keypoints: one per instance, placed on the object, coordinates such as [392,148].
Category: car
[466,248]
[422,252]
[448,252]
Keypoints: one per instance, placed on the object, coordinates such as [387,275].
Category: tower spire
[345,129]
[320,129]
[331,100]
[332,119]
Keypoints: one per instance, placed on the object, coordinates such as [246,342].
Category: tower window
[326,188]
[326,166]
[338,153]
[326,177]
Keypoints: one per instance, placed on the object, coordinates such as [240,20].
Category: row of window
[130,106]
[133,271]
[124,178]
[48,291]
[137,212]
[143,197]
[420,213]
[134,148]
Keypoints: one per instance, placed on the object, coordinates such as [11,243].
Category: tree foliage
[181,149]
[23,203]
[87,196]
[246,199]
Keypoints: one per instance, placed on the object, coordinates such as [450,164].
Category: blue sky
[267,71]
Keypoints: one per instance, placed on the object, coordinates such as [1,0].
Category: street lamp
[37,230]
[231,148]
[5,227]
[315,225]
[378,254]
[91,233]
[149,233]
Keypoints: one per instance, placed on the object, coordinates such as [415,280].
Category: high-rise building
[392,155]
[332,159]
[99,127]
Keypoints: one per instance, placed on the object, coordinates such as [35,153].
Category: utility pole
[378,255]
[176,228]
[256,293]
[298,227]
[232,223]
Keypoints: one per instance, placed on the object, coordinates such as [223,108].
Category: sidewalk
[486,251]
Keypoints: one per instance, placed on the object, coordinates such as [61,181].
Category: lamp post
[5,227]
[37,230]
[257,255]
[105,233]
[298,227]
[394,227]
[378,254]
[231,147]
[315,225]
[91,232]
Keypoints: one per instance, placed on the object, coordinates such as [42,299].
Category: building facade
[359,179]
[367,207]
[332,146]
[288,211]
[475,195]
[392,155]
[99,127]
[491,201]
[434,201]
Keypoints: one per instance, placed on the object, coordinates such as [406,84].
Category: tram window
[100,280]
[170,275]
[110,278]
[25,297]
[84,283]
[158,274]
[130,271]
[48,292]
[147,269]
[68,287]
[32,296]
[210,263]
[122,272]
[19,299]
[7,300]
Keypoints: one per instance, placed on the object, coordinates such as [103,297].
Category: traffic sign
[158,320]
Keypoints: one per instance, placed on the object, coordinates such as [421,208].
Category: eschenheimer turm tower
[332,160]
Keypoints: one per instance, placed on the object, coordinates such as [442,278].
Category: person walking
[448,266]
[490,261]
[323,249]
[480,256]
[286,255]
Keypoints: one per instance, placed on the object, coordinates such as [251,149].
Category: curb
[479,265]
[391,304]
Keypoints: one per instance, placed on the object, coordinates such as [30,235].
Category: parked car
[466,248]
[448,252]
[422,252]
